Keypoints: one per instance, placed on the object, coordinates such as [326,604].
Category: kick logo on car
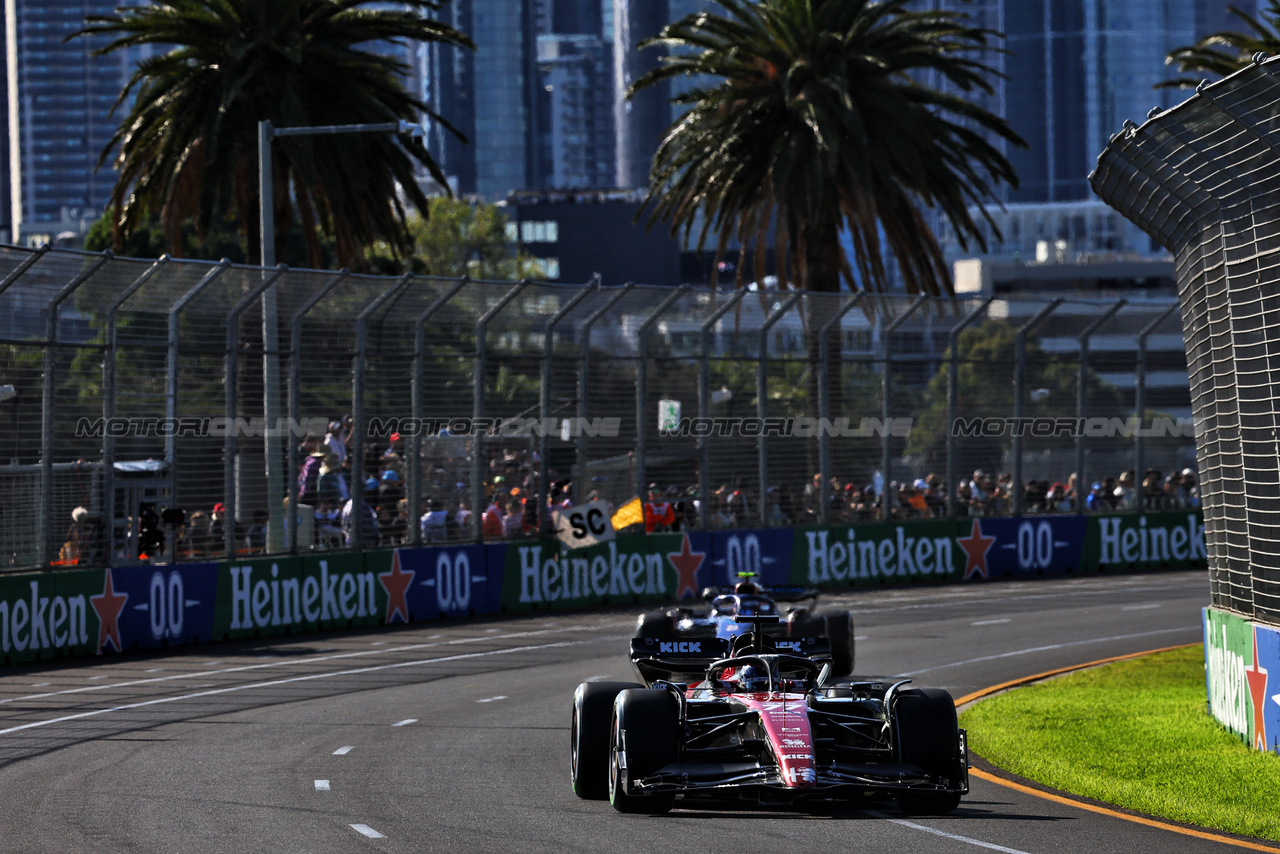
[680,646]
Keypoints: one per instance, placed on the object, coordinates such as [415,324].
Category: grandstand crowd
[329,507]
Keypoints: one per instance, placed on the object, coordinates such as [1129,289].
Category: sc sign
[584,525]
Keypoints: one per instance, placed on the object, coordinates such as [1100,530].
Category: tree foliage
[187,148]
[810,116]
[1224,53]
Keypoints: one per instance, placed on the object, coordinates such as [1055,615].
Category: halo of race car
[754,714]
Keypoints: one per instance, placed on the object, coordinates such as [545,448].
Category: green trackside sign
[48,614]
[875,554]
[1149,541]
[627,569]
[276,596]
[1228,654]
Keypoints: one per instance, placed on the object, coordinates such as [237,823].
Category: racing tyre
[839,632]
[928,736]
[648,721]
[589,737]
[655,624]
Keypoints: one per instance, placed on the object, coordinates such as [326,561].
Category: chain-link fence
[286,410]
[1201,180]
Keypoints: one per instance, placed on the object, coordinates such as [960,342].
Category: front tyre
[928,736]
[644,737]
[589,737]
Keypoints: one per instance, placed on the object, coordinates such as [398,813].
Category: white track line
[366,830]
[990,622]
[1140,607]
[342,751]
[322,785]
[492,699]
[286,662]
[1051,646]
[275,682]
[957,837]
[406,722]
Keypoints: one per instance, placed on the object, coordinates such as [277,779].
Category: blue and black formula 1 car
[718,617]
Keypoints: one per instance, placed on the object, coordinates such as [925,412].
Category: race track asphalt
[453,736]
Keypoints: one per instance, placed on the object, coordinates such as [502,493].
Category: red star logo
[976,547]
[109,604]
[396,582]
[686,563]
[1257,676]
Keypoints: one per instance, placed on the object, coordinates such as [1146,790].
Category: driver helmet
[753,678]
[747,588]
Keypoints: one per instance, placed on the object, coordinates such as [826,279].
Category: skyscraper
[59,100]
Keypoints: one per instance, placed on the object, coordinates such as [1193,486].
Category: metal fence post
[27,263]
[1140,399]
[886,446]
[762,399]
[171,362]
[477,441]
[824,405]
[231,380]
[642,383]
[953,401]
[704,406]
[544,397]
[356,519]
[1082,382]
[1019,380]
[295,398]
[109,397]
[584,379]
[415,405]
[47,414]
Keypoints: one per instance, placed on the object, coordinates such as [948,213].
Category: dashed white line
[406,722]
[41,684]
[492,699]
[860,637]
[293,680]
[1140,607]
[299,660]
[990,622]
[342,751]
[322,785]
[957,837]
[153,670]
[368,831]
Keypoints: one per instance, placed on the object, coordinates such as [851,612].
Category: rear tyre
[650,720]
[929,737]
[840,634]
[589,737]
[655,624]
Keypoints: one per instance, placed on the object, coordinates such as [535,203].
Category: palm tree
[810,114]
[1223,53]
[187,149]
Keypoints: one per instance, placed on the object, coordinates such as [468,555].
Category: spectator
[491,521]
[659,514]
[309,478]
[368,518]
[336,442]
[331,488]
[1189,488]
[775,517]
[1125,493]
[197,534]
[435,523]
[1097,501]
[84,542]
[255,539]
[513,518]
[1173,497]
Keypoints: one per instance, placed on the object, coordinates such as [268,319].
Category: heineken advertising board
[89,612]
[1239,658]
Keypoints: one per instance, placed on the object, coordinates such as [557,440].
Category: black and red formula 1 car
[723,608]
[760,725]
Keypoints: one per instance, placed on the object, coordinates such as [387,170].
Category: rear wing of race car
[777,594]
[655,658]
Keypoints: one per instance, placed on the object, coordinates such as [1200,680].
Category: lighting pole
[270,338]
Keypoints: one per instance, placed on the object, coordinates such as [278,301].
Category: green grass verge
[1136,734]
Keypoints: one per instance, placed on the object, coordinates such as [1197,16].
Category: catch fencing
[1200,179]
[144,386]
